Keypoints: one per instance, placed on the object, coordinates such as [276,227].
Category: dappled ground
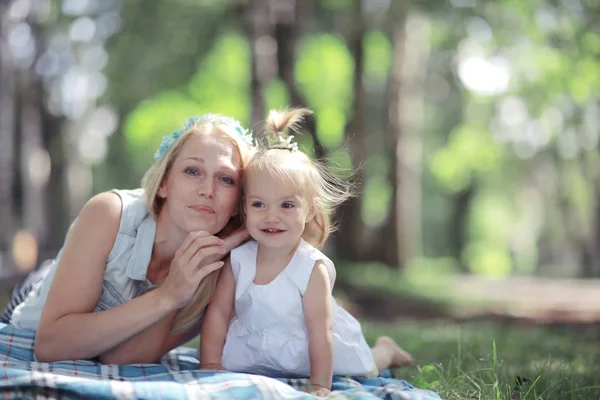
[380,294]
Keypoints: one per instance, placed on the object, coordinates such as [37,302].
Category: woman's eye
[192,171]
[287,205]
[228,180]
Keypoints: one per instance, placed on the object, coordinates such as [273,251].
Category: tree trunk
[288,16]
[409,67]
[58,218]
[349,239]
[458,225]
[7,134]
[590,248]
[35,162]
[259,32]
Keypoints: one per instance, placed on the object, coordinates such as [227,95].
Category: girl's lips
[203,209]
[271,231]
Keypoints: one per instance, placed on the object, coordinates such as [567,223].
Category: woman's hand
[193,261]
[234,234]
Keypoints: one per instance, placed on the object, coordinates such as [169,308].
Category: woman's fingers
[200,245]
[189,239]
[207,269]
[206,255]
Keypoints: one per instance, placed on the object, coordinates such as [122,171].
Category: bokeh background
[473,128]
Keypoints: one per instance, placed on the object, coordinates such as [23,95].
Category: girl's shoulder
[243,255]
[244,250]
[303,263]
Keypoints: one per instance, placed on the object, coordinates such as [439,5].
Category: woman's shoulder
[123,208]
[133,208]
[103,205]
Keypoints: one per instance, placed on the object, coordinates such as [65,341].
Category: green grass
[485,361]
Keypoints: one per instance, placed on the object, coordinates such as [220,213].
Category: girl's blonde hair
[153,178]
[322,189]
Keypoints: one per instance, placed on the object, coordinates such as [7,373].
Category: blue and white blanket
[176,377]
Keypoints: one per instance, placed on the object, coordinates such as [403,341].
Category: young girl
[286,321]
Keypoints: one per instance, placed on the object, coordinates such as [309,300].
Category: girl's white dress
[267,335]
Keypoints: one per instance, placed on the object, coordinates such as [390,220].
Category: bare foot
[400,357]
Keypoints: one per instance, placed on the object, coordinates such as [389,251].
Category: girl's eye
[257,204]
[228,180]
[287,205]
[192,171]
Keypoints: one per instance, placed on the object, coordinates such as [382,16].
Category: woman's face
[202,188]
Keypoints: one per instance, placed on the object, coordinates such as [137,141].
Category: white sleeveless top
[268,334]
[126,265]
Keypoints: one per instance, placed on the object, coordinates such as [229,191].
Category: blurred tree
[259,31]
[7,130]
[349,240]
[35,161]
[410,58]
[291,17]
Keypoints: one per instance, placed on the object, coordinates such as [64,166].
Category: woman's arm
[151,344]
[145,346]
[216,320]
[317,312]
[69,329]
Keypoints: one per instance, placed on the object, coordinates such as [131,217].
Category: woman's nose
[207,188]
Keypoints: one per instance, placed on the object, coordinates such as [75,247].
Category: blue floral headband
[167,141]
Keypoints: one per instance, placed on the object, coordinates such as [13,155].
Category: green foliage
[324,71]
[377,58]
[222,81]
[276,95]
[471,150]
[376,199]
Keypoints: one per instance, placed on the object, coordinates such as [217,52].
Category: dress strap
[243,266]
[303,263]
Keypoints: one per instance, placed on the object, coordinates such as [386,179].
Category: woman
[138,267]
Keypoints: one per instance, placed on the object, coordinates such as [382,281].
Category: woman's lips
[203,209]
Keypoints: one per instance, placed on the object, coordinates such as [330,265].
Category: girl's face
[276,211]
[202,188]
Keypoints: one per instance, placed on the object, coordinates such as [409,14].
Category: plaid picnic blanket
[176,377]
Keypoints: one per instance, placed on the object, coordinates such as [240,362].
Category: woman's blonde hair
[154,176]
[322,189]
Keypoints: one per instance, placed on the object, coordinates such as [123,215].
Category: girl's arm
[317,312]
[216,320]
[69,329]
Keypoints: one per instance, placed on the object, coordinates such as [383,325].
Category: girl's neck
[275,256]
